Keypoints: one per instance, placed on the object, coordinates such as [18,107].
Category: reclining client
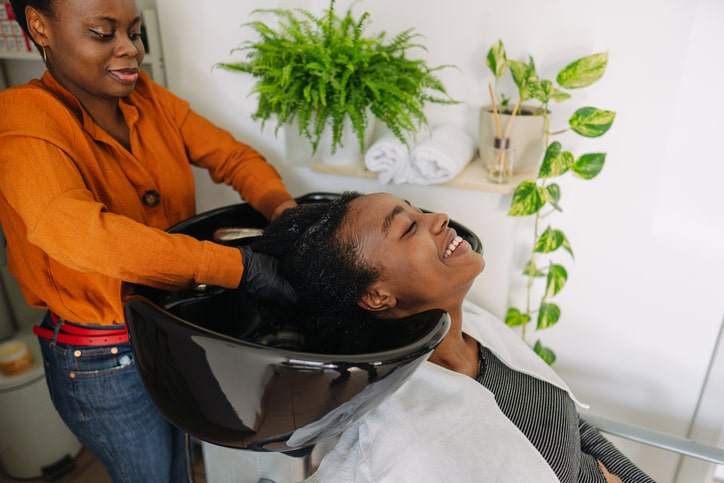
[484,407]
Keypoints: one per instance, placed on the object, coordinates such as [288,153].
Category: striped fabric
[548,418]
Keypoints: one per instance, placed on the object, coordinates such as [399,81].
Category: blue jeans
[100,396]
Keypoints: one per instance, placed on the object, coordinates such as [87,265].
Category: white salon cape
[441,426]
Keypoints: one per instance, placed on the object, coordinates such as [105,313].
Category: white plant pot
[349,152]
[299,149]
[527,139]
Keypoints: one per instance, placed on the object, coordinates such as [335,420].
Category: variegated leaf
[589,165]
[558,95]
[548,356]
[515,318]
[584,71]
[496,59]
[530,270]
[551,240]
[555,162]
[540,90]
[556,280]
[591,122]
[519,71]
[554,195]
[528,198]
[548,315]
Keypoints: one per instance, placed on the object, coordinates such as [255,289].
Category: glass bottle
[500,161]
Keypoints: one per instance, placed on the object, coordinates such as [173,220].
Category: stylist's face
[424,263]
[95,47]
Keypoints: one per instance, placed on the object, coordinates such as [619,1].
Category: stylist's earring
[45,54]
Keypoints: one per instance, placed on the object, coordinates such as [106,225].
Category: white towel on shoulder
[443,426]
[442,156]
[390,159]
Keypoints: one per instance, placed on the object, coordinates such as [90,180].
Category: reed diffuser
[500,155]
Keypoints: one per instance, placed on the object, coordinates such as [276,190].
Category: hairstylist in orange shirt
[95,165]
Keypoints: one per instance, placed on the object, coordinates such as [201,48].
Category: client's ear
[377,299]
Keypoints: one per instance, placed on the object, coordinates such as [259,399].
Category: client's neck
[457,352]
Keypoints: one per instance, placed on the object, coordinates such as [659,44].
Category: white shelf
[473,177]
[34,55]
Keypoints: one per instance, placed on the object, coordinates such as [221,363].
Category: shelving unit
[154,53]
[473,177]
[152,61]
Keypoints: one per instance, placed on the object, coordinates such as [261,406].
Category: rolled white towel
[442,156]
[389,158]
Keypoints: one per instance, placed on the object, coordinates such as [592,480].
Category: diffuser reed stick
[512,116]
[495,110]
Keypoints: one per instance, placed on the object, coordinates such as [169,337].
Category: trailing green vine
[541,196]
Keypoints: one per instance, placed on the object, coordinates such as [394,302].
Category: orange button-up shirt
[71,203]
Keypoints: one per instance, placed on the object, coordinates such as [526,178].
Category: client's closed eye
[410,230]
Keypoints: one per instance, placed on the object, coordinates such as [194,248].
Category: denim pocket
[90,384]
[87,362]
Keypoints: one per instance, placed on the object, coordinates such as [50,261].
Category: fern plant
[323,70]
[540,197]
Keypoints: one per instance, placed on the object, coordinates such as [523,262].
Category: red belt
[74,334]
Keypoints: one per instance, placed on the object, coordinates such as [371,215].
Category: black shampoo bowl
[214,372]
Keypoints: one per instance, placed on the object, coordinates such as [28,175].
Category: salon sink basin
[218,368]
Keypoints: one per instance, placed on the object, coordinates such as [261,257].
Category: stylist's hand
[282,206]
[610,478]
[261,277]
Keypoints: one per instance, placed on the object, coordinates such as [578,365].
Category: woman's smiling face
[95,47]
[423,263]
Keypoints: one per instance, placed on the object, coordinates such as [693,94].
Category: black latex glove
[262,279]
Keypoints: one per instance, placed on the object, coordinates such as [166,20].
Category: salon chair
[703,449]
[658,439]
[219,370]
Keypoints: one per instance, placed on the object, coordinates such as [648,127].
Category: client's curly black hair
[324,268]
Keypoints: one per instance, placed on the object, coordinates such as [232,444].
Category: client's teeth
[453,245]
